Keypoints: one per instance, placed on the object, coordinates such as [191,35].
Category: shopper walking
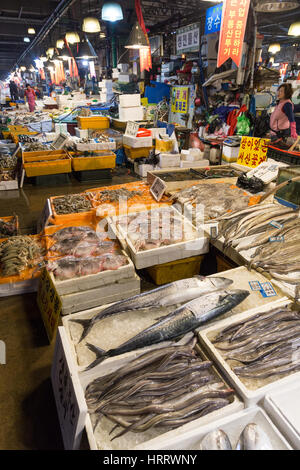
[13,90]
[282,120]
[30,96]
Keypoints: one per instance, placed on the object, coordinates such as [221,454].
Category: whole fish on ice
[179,322]
[174,293]
[253,438]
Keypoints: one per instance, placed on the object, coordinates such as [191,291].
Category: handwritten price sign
[253,151]
[49,304]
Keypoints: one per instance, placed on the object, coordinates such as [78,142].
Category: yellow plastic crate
[15,135]
[6,134]
[33,156]
[133,153]
[19,129]
[100,162]
[93,122]
[50,165]
[175,270]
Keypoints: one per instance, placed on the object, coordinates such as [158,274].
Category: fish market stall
[66,209]
[9,226]
[257,349]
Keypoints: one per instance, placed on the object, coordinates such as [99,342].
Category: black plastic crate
[280,155]
[93,175]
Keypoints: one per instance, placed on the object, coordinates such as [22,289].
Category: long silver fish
[253,438]
[216,440]
[183,320]
[177,292]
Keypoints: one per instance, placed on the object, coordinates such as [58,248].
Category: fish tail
[87,326]
[101,355]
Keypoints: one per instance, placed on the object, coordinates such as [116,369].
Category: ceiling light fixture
[31,31]
[91,25]
[26,40]
[72,37]
[294,29]
[137,38]
[50,52]
[274,48]
[60,44]
[86,50]
[64,54]
[272,6]
[111,11]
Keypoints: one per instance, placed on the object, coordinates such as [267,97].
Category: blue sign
[213,19]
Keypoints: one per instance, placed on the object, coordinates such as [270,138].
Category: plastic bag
[243,125]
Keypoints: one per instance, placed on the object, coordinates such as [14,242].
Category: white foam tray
[233,425]
[9,185]
[283,407]
[250,396]
[92,281]
[144,259]
[119,290]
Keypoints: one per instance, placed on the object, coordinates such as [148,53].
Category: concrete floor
[27,408]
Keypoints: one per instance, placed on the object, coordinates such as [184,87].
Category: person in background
[282,120]
[37,92]
[13,90]
[30,96]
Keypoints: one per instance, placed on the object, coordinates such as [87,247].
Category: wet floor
[27,408]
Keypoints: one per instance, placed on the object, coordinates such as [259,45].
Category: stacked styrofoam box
[168,160]
[124,77]
[61,128]
[81,133]
[106,93]
[142,169]
[115,73]
[157,131]
[123,68]
[130,108]
[137,142]
[130,101]
[196,164]
[230,154]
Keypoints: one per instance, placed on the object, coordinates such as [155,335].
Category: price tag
[45,216]
[214,231]
[255,285]
[158,188]
[70,403]
[267,289]
[276,239]
[49,304]
[276,224]
[132,129]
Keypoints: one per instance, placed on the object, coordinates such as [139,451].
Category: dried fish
[71,203]
[18,253]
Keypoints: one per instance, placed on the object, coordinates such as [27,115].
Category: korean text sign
[213,19]
[180,96]
[234,19]
[253,151]
[188,39]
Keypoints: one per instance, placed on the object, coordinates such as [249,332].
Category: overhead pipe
[59,11]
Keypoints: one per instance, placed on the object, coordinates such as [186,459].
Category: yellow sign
[253,151]
[180,96]
[49,304]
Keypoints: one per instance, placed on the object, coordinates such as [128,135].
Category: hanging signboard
[213,19]
[49,304]
[179,99]
[253,151]
[234,19]
[188,39]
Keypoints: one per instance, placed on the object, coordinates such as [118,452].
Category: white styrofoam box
[105,294]
[168,160]
[105,145]
[85,147]
[81,133]
[256,393]
[18,288]
[115,75]
[41,126]
[104,97]
[283,408]
[85,283]
[131,114]
[124,77]
[137,142]
[123,67]
[60,128]
[142,169]
[144,259]
[157,131]
[235,406]
[197,164]
[168,67]
[130,101]
[9,185]
[233,425]
[230,154]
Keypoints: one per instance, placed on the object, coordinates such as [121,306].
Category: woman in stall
[282,120]
[30,96]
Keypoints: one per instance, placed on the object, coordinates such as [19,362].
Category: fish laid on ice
[216,440]
[170,294]
[181,321]
[253,438]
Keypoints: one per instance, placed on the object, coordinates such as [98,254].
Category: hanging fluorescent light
[85,50]
[111,11]
[273,48]
[294,29]
[22,68]
[266,6]
[43,58]
[137,38]
[26,40]
[91,25]
[72,37]
[60,44]
[102,35]
[31,31]
[271,60]
[50,52]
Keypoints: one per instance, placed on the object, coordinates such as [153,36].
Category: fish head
[236,296]
[220,282]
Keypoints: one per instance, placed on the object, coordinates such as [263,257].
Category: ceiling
[159,15]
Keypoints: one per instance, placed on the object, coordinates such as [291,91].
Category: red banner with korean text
[145,54]
[234,19]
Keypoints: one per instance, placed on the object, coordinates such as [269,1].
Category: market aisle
[27,408]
